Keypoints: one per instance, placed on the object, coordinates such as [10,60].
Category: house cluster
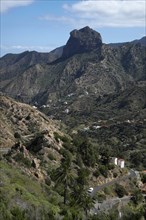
[118,162]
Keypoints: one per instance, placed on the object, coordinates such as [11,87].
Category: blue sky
[43,25]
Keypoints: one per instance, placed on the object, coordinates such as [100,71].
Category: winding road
[131,174]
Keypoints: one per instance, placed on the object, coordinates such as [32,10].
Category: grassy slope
[19,190]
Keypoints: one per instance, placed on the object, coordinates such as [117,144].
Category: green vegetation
[143,177]
[19,157]
[65,166]
[21,196]
[64,174]
[120,190]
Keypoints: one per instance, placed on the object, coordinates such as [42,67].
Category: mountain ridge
[141,41]
[83,72]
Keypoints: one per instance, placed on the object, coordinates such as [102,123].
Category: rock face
[83,40]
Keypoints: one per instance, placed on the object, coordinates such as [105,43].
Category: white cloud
[5,5]
[40,48]
[63,19]
[21,48]
[108,13]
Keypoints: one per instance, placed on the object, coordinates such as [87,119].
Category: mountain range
[85,78]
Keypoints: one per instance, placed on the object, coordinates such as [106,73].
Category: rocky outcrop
[80,41]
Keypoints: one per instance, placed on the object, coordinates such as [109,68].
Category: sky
[43,25]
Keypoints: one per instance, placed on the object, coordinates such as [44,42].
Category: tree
[105,155]
[88,153]
[80,186]
[120,190]
[83,177]
[64,174]
[83,200]
[72,213]
[137,197]
[80,196]
[103,170]
[87,202]
[136,158]
[134,213]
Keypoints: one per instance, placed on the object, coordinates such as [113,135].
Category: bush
[137,197]
[107,190]
[115,175]
[100,197]
[111,166]
[17,213]
[48,181]
[58,137]
[27,117]
[51,157]
[20,158]
[17,135]
[120,190]
[143,178]
[103,170]
[96,173]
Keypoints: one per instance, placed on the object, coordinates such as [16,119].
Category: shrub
[120,190]
[20,158]
[27,117]
[58,137]
[115,175]
[100,197]
[143,178]
[111,166]
[96,173]
[17,213]
[107,190]
[137,197]
[17,135]
[51,156]
[103,170]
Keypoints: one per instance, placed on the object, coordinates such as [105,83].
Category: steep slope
[87,70]
[21,122]
[16,64]
[33,172]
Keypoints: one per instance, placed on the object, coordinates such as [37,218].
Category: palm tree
[83,200]
[73,212]
[80,197]
[65,174]
[87,203]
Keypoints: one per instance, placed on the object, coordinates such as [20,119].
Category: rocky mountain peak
[83,40]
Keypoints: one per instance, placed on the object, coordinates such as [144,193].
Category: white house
[96,126]
[121,163]
[66,111]
[115,160]
[118,162]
